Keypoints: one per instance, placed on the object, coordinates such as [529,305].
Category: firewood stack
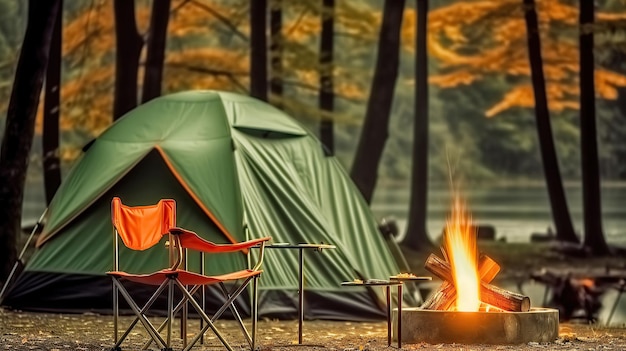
[445,296]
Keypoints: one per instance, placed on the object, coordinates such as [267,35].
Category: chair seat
[185,277]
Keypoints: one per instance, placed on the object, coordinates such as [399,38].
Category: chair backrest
[141,227]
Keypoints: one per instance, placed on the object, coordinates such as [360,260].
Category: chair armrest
[190,240]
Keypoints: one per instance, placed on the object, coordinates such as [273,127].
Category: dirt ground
[55,332]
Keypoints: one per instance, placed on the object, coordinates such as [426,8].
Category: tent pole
[19,258]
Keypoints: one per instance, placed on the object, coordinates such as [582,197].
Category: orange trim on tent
[43,239]
[193,195]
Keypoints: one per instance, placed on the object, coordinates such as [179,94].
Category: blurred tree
[128,49]
[374,132]
[592,205]
[558,203]
[155,56]
[478,39]
[326,90]
[20,123]
[417,232]
[276,52]
[258,49]
[51,111]
[12,25]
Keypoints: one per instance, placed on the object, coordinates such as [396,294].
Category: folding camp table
[300,247]
[387,284]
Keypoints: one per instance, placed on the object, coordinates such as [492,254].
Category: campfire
[466,274]
[466,308]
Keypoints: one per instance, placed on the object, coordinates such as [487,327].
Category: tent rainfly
[230,162]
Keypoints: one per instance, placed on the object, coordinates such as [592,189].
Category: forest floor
[54,332]
[87,332]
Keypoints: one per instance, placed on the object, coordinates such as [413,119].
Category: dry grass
[55,332]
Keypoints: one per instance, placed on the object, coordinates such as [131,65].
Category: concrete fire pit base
[438,327]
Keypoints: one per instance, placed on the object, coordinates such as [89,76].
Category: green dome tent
[229,161]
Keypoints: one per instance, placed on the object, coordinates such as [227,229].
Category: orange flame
[462,251]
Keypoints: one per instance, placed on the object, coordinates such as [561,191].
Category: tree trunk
[51,112]
[128,45]
[417,233]
[258,49]
[374,134]
[20,124]
[155,56]
[276,49]
[594,235]
[558,202]
[326,94]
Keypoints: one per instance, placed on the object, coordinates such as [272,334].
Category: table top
[410,278]
[372,282]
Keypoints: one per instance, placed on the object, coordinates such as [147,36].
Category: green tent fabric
[230,162]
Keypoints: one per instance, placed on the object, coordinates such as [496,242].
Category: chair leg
[115,311]
[178,308]
[203,315]
[183,321]
[139,313]
[255,310]
[230,300]
[170,314]
[203,295]
[236,315]
[134,322]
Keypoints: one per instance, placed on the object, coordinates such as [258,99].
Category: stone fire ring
[439,327]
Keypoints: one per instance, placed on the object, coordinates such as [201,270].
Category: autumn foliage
[207,48]
[472,40]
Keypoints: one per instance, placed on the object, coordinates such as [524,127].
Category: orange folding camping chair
[142,227]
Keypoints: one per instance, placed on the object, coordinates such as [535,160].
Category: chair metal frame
[178,276]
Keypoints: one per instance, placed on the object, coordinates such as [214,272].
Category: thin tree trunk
[558,202]
[128,48]
[20,124]
[417,233]
[258,49]
[592,205]
[326,93]
[51,111]
[155,57]
[276,50]
[374,134]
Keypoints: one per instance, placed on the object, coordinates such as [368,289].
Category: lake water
[515,211]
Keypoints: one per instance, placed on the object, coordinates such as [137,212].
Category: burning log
[442,299]
[492,295]
[445,295]
[504,299]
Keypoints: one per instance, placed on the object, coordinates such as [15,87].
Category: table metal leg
[399,330]
[388,289]
[301,297]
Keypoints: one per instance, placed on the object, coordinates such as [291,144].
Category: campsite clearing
[87,332]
